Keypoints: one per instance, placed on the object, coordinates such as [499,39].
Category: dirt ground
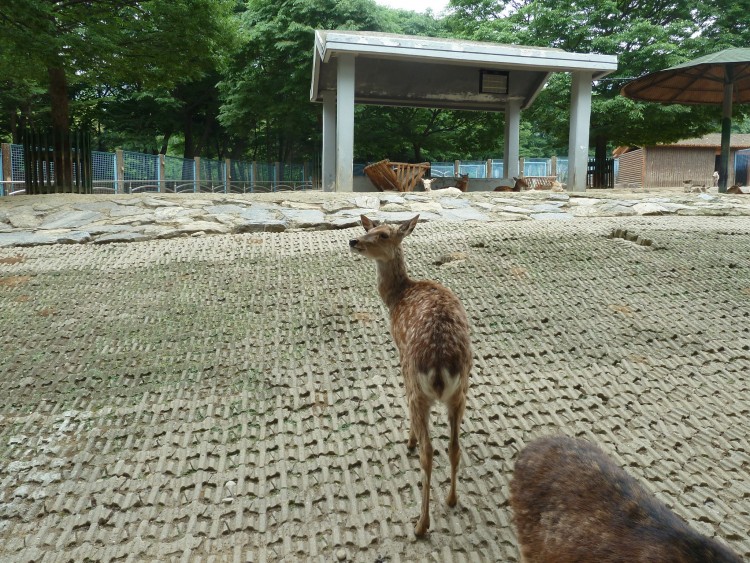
[237,397]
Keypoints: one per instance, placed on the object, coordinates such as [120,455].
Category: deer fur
[462,182]
[519,185]
[571,502]
[431,332]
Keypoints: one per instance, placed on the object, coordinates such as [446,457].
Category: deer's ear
[407,227]
[368,224]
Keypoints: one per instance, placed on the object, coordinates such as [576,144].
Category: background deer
[431,331]
[519,185]
[573,503]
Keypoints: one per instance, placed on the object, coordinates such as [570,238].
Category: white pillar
[329,141]
[344,122]
[511,150]
[578,141]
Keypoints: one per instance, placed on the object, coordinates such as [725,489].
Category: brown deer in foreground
[573,503]
[431,331]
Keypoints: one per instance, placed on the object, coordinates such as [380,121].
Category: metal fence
[132,172]
[556,166]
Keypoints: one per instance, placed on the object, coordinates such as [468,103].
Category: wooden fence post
[253,172]
[456,167]
[521,165]
[488,169]
[197,174]
[7,167]
[119,172]
[227,175]
[162,173]
[277,175]
[553,165]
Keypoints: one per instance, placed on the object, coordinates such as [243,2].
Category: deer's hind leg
[419,410]
[455,414]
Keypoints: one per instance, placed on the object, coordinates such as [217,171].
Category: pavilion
[358,67]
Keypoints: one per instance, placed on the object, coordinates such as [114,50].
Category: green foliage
[645,36]
[231,78]
[102,49]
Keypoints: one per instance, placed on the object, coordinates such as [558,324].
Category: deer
[519,185]
[431,331]
[571,502]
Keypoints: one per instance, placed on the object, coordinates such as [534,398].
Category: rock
[453,203]
[304,218]
[396,207]
[24,221]
[393,198]
[466,214]
[203,226]
[251,226]
[450,257]
[224,209]
[341,555]
[345,222]
[369,202]
[546,208]
[420,207]
[649,209]
[154,202]
[514,209]
[121,237]
[71,219]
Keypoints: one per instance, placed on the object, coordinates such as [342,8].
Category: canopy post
[511,152]
[329,141]
[344,122]
[726,128]
[578,142]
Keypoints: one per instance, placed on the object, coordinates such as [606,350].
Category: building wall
[671,166]
[630,169]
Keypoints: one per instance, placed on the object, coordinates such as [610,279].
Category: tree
[69,45]
[646,36]
[266,93]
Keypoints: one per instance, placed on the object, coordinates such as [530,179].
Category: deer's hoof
[452,499]
[422,526]
[411,443]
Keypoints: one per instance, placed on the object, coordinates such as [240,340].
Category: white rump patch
[450,384]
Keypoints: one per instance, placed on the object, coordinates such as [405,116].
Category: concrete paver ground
[237,397]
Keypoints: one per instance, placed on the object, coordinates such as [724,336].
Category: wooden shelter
[672,165]
[363,67]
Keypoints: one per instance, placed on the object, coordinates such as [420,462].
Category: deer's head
[381,242]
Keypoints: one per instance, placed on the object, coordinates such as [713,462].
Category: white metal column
[511,149]
[344,122]
[580,123]
[329,141]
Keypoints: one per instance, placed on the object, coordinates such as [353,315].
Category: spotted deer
[431,332]
[572,503]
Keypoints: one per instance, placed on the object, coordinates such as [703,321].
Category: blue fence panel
[441,169]
[475,169]
[537,167]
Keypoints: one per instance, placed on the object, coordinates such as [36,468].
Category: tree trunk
[165,142]
[189,151]
[62,157]
[600,157]
[417,152]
